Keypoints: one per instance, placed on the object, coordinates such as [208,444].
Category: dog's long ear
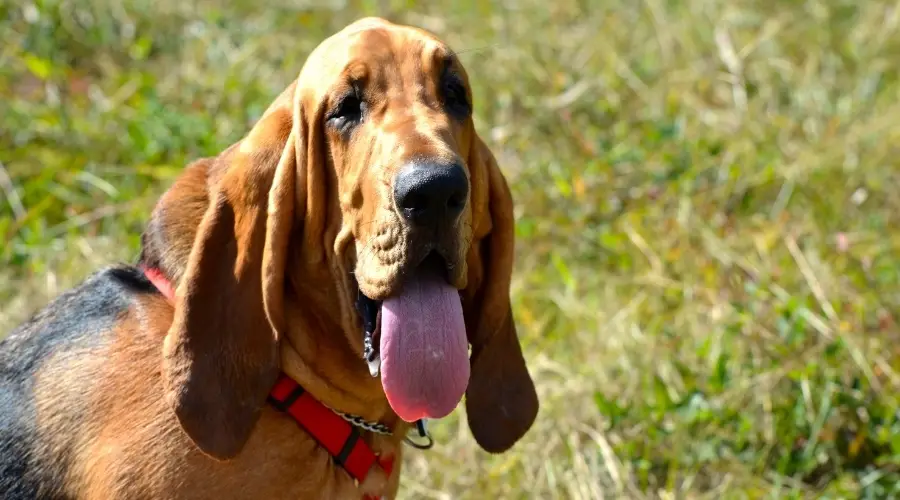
[501,402]
[220,354]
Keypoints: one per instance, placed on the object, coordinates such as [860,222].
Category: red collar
[332,432]
[329,429]
[160,281]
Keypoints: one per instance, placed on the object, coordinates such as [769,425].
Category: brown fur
[128,443]
[263,242]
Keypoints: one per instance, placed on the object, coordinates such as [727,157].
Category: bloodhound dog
[301,301]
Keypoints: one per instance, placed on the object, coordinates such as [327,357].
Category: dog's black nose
[431,194]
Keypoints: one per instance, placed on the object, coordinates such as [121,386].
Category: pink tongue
[424,357]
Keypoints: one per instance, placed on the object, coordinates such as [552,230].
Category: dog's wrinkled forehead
[371,49]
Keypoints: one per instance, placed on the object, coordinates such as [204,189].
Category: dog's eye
[347,113]
[455,98]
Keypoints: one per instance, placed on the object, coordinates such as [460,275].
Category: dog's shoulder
[75,323]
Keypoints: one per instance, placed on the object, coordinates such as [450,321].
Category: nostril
[457,201]
[413,201]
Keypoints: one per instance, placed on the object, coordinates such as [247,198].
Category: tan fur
[262,242]
[128,443]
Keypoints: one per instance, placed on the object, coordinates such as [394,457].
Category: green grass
[708,275]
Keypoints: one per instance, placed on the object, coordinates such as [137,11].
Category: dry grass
[707,274]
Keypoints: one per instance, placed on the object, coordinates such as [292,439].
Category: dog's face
[397,119]
[396,112]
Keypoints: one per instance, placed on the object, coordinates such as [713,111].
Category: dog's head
[369,165]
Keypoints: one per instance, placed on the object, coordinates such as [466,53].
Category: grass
[708,273]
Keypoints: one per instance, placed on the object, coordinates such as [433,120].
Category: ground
[708,274]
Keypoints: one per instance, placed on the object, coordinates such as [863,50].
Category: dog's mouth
[416,341]
[370,312]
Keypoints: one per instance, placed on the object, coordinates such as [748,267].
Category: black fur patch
[79,319]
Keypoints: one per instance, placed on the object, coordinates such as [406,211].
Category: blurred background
[707,192]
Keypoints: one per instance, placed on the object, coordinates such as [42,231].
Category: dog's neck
[315,350]
[319,352]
